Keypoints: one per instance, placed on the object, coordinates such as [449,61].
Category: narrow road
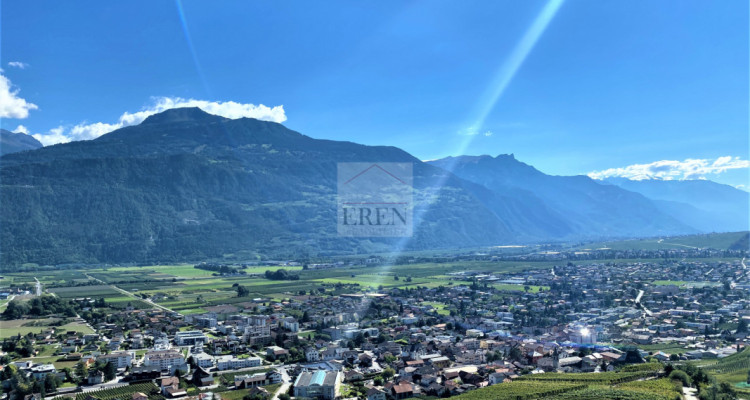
[129,294]
[639,304]
[689,393]
[286,381]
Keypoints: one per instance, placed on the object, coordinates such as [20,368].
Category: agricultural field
[686,284]
[733,370]
[14,327]
[125,392]
[603,378]
[508,286]
[190,290]
[239,394]
[668,348]
[439,307]
[113,297]
[521,390]
[711,240]
[617,386]
[58,361]
[676,283]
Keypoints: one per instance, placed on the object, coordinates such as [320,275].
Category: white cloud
[474,132]
[22,129]
[54,136]
[227,109]
[673,169]
[12,106]
[18,64]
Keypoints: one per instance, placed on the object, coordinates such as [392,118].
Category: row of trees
[40,306]
[281,275]
[220,268]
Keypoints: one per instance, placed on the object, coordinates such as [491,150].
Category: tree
[110,371]
[281,275]
[51,383]
[742,326]
[515,354]
[81,371]
[381,338]
[680,376]
[388,373]
[15,310]
[242,291]
[359,339]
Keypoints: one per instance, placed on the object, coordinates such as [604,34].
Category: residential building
[167,360]
[120,359]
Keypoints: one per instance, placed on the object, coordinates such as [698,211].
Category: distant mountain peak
[181,115]
[13,142]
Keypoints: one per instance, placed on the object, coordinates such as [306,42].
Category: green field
[732,369]
[608,385]
[125,392]
[239,394]
[52,360]
[23,326]
[669,348]
[518,390]
[439,307]
[189,290]
[687,284]
[509,286]
[676,283]
[711,240]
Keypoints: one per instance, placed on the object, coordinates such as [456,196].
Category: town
[380,331]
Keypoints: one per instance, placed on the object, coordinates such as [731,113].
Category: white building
[120,359]
[224,363]
[203,360]
[312,354]
[167,360]
[474,333]
[291,324]
[40,371]
[189,338]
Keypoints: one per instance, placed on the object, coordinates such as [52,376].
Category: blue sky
[600,85]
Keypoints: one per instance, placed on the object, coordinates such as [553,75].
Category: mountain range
[13,142]
[187,185]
